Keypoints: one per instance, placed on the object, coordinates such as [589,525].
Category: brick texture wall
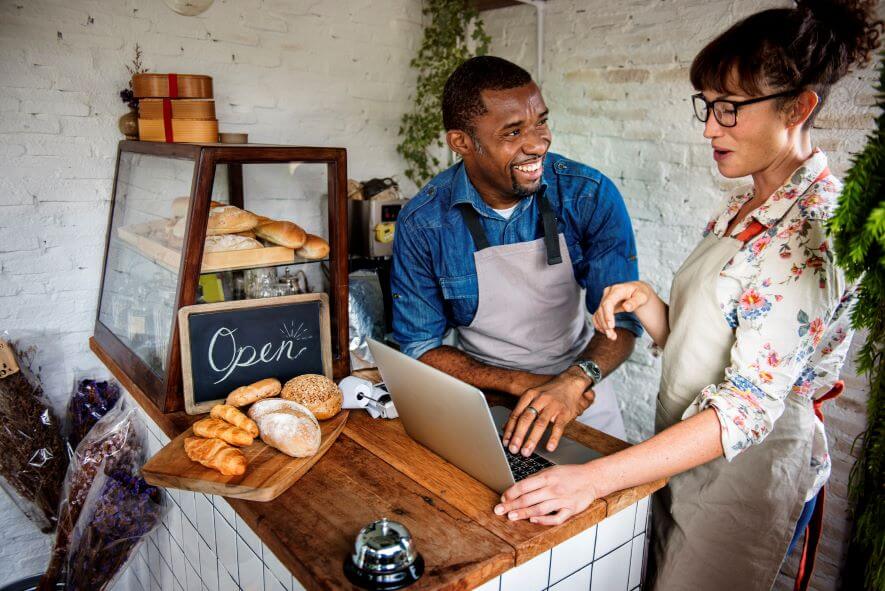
[616,81]
[285,71]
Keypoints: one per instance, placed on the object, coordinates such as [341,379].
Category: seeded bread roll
[244,395]
[283,233]
[227,242]
[228,219]
[313,248]
[318,393]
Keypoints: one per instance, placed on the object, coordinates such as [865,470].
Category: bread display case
[193,223]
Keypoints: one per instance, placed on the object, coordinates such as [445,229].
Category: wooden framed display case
[155,262]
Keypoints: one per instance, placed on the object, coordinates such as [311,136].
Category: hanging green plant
[858,227]
[446,44]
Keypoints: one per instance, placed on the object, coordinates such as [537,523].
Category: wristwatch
[590,369]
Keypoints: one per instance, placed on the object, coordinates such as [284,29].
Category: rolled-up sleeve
[609,248]
[782,318]
[419,322]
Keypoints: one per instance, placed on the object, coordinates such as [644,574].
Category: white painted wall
[294,72]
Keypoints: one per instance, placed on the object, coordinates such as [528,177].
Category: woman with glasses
[757,326]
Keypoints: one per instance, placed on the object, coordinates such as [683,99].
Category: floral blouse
[789,306]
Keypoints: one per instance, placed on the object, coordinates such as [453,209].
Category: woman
[757,327]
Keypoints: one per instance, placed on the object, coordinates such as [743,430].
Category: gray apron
[530,314]
[723,525]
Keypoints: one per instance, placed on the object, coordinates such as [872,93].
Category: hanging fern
[446,44]
[858,226]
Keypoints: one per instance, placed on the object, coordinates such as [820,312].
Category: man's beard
[522,190]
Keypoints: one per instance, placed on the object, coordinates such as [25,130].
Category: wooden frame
[165,390]
[192,407]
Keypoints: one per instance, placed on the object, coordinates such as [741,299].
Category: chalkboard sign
[232,344]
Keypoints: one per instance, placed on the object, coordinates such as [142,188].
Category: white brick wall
[616,81]
[285,71]
[336,73]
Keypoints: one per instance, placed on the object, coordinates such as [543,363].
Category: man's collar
[463,191]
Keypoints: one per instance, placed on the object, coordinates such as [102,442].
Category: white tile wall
[203,545]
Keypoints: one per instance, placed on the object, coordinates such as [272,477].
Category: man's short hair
[462,94]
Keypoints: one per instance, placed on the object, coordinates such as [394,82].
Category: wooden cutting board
[269,473]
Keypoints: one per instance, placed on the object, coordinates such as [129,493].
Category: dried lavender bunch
[33,460]
[90,401]
[113,443]
[117,515]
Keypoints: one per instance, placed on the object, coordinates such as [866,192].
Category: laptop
[452,419]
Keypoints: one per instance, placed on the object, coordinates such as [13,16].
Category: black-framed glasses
[725,111]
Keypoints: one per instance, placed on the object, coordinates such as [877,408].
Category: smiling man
[500,247]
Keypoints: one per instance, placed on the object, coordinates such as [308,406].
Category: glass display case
[178,235]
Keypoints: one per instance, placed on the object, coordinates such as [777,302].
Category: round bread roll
[179,228]
[228,219]
[283,233]
[318,393]
[227,242]
[244,395]
[293,431]
[313,248]
[271,405]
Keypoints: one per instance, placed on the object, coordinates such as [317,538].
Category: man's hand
[555,403]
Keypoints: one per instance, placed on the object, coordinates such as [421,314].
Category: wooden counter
[375,470]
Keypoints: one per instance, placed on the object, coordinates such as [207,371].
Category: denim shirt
[434,281]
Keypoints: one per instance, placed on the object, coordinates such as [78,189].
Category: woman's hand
[620,297]
[550,496]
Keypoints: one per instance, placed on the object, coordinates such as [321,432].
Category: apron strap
[814,531]
[548,220]
[471,219]
[551,232]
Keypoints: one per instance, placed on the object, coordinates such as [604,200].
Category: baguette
[283,233]
[313,248]
[245,395]
[228,219]
[222,430]
[216,454]
[228,413]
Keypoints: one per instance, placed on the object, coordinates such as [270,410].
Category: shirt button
[560,165]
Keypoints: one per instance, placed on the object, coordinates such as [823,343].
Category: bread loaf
[180,205]
[283,233]
[313,248]
[318,393]
[248,394]
[228,219]
[288,427]
[265,407]
[222,430]
[230,414]
[215,454]
[228,242]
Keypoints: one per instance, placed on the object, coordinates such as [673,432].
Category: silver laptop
[452,419]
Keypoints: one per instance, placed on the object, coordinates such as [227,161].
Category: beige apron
[724,525]
[530,314]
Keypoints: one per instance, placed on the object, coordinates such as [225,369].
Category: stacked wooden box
[175,108]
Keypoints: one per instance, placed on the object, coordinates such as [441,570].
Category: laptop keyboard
[523,467]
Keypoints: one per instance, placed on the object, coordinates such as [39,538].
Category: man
[499,247]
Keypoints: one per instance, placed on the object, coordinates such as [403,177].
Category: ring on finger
[534,410]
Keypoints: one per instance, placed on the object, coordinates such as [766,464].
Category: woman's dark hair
[808,47]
